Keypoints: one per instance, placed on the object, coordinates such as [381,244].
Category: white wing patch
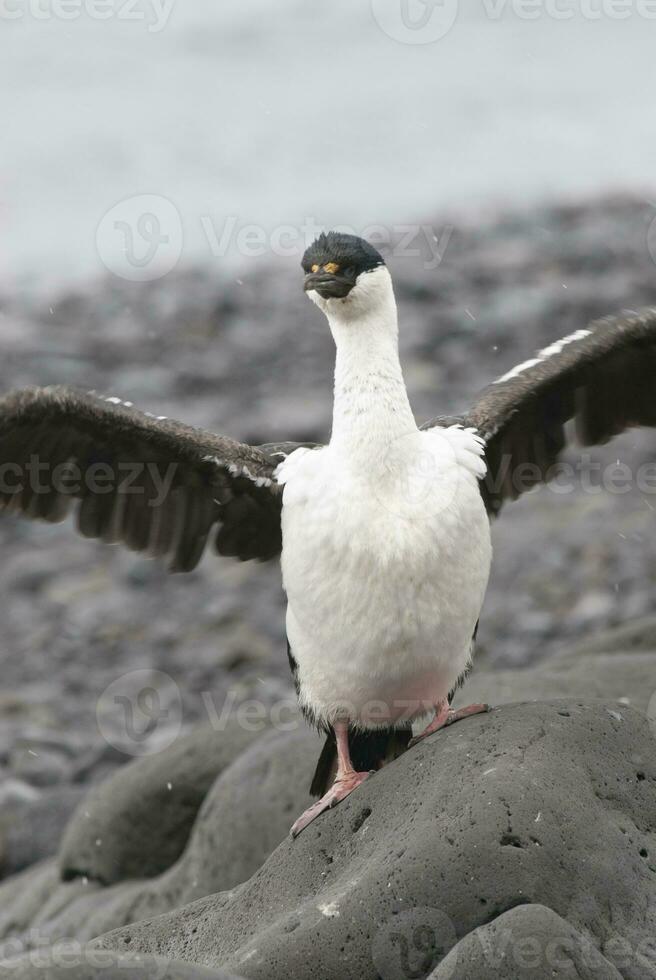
[118,401]
[542,355]
[113,400]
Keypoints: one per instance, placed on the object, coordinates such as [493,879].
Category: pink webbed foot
[340,789]
[447,716]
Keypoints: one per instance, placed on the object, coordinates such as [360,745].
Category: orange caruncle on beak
[330,267]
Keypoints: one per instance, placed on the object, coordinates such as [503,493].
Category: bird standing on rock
[386,541]
[383,533]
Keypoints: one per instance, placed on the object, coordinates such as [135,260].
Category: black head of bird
[335,263]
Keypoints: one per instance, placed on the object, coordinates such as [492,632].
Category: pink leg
[346,780]
[444,715]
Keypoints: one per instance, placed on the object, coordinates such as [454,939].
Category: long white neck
[371,408]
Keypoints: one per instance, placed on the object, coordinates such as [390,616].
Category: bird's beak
[329,285]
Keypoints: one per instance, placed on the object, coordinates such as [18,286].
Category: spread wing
[603,379]
[153,484]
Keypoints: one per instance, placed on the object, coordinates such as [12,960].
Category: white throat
[371,409]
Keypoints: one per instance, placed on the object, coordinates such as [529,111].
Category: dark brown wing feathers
[155,485]
[604,380]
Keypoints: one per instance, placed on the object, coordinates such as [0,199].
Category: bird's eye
[349,272]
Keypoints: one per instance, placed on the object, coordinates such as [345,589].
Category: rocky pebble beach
[154,842]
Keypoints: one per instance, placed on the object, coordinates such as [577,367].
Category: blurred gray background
[161,170]
[271,112]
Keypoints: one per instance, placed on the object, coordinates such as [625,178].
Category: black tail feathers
[369,750]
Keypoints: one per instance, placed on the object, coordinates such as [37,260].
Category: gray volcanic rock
[23,897]
[248,811]
[246,814]
[549,804]
[628,678]
[137,823]
[530,942]
[618,663]
[31,829]
[50,964]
